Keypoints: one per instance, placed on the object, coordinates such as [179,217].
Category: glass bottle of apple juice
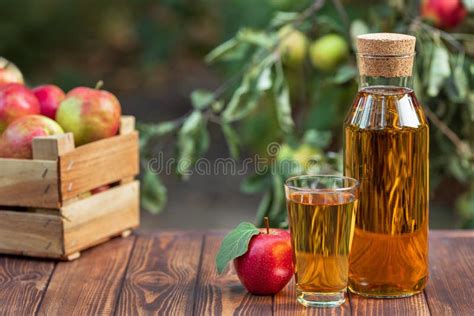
[386,149]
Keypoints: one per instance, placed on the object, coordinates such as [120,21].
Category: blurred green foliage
[130,44]
[300,103]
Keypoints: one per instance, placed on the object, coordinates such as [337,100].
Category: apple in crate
[16,101]
[9,73]
[90,114]
[100,189]
[49,97]
[16,140]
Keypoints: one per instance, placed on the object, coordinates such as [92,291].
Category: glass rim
[354,186]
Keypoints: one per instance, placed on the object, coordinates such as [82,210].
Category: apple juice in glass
[386,148]
[321,215]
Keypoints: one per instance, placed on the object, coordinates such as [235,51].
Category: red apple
[16,101]
[15,141]
[9,73]
[49,97]
[443,13]
[100,189]
[90,114]
[267,266]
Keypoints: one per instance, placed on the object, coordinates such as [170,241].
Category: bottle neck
[388,71]
[401,82]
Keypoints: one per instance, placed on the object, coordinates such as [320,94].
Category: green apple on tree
[293,46]
[328,52]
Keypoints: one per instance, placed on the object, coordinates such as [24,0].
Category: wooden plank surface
[22,285]
[100,216]
[224,295]
[161,277]
[98,163]
[174,273]
[450,290]
[415,305]
[26,182]
[90,285]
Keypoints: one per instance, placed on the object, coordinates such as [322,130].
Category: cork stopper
[386,54]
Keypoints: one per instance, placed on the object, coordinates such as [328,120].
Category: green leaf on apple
[235,244]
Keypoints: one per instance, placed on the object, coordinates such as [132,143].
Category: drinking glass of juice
[321,214]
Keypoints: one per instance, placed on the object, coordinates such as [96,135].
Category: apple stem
[99,84]
[267,224]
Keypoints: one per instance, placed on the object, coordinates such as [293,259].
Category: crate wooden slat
[29,183]
[94,219]
[30,234]
[54,214]
[98,163]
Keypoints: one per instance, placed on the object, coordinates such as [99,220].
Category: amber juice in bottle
[386,149]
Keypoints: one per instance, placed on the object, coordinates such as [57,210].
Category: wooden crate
[46,209]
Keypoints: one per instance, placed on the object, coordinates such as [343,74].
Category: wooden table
[173,273]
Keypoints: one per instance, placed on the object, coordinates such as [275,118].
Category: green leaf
[282,101]
[230,50]
[193,142]
[164,128]
[150,130]
[154,193]
[280,18]
[201,99]
[245,98]
[460,78]
[358,27]
[264,81]
[235,244]
[157,129]
[345,74]
[257,38]
[232,140]
[234,111]
[439,70]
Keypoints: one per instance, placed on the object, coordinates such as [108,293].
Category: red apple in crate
[267,266]
[9,73]
[49,97]
[100,189]
[16,101]
[443,13]
[90,114]
[16,140]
